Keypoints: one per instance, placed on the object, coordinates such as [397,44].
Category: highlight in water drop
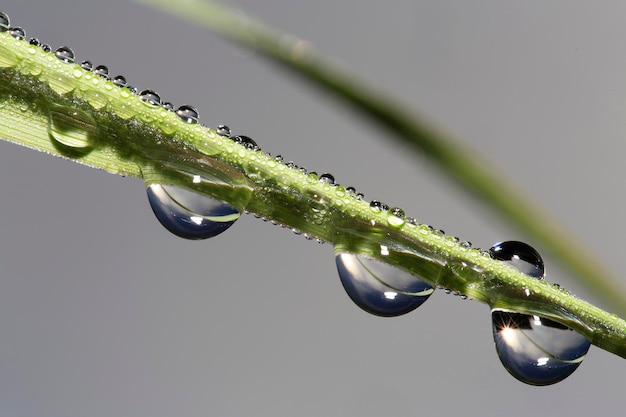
[188,214]
[379,288]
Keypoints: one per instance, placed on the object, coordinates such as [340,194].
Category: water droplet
[379,288]
[396,217]
[377,206]
[521,256]
[65,54]
[17,32]
[72,130]
[167,106]
[536,350]
[45,47]
[119,80]
[102,71]
[246,141]
[327,179]
[223,130]
[5,22]
[188,114]
[34,41]
[86,65]
[150,97]
[132,89]
[188,214]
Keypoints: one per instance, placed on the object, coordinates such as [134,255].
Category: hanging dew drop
[188,214]
[534,349]
[379,288]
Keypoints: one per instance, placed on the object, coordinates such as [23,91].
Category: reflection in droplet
[379,288]
[536,350]
[188,214]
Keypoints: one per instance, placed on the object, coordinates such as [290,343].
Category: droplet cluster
[534,349]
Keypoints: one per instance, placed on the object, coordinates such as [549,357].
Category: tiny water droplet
[223,130]
[64,54]
[71,128]
[102,71]
[17,32]
[188,114]
[45,47]
[327,179]
[34,41]
[379,288]
[519,255]
[5,22]
[150,97]
[132,89]
[536,350]
[119,80]
[167,106]
[188,214]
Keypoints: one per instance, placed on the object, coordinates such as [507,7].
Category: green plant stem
[472,173]
[42,97]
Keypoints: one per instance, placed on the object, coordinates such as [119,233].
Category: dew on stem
[534,349]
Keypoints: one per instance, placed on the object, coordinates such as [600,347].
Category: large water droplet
[102,71]
[5,22]
[536,350]
[65,54]
[223,130]
[72,130]
[188,214]
[379,288]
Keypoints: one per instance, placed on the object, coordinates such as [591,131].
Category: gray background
[104,313]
